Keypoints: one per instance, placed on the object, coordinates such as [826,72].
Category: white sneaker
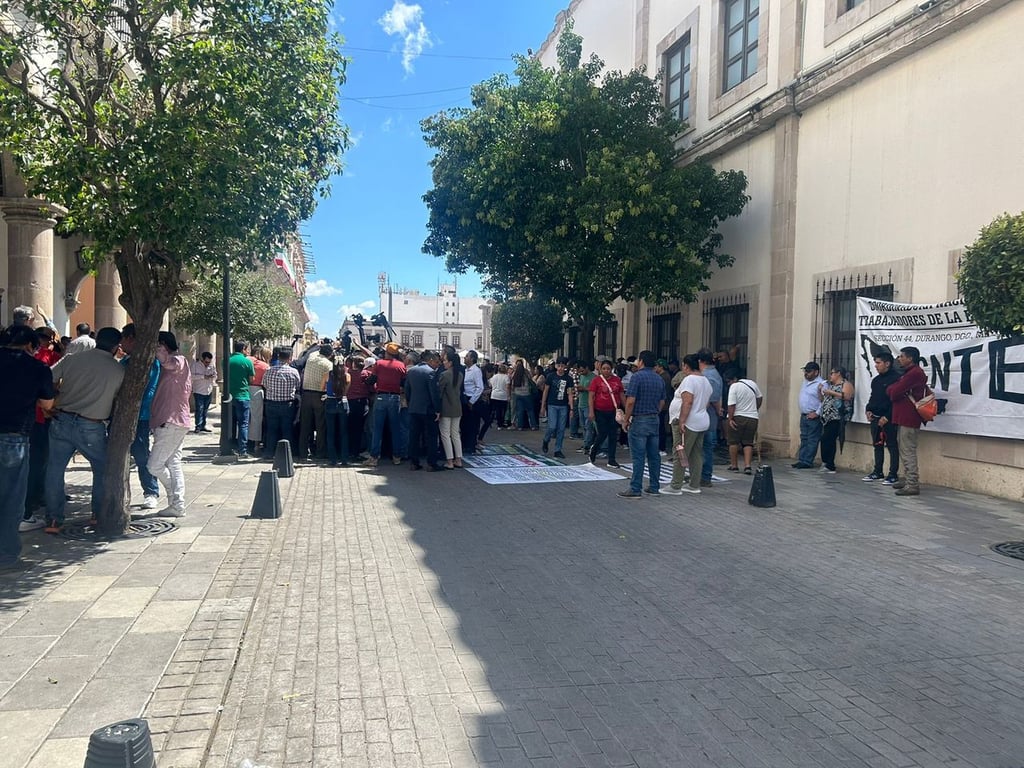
[151,502]
[171,512]
[688,489]
[672,491]
[33,523]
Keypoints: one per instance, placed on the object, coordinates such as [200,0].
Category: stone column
[108,311]
[30,224]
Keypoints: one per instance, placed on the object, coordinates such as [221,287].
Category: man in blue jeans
[708,370]
[27,383]
[809,403]
[559,391]
[140,446]
[87,384]
[645,397]
[280,389]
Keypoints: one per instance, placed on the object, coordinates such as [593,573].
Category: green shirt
[583,391]
[240,373]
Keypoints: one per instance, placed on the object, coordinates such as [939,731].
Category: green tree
[259,309]
[991,276]
[178,136]
[526,327]
[571,185]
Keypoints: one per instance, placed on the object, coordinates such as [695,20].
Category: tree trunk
[148,292]
[587,340]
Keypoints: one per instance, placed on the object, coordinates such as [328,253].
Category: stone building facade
[877,136]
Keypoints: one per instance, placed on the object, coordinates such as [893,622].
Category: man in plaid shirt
[280,388]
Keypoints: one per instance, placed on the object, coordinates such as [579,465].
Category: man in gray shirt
[87,384]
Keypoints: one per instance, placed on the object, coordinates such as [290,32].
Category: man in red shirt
[905,417]
[389,378]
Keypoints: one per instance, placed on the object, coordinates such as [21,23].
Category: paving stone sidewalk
[414,619]
[89,633]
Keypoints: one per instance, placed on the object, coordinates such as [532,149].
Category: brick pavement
[416,619]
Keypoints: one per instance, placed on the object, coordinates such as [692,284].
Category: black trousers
[890,442]
[423,438]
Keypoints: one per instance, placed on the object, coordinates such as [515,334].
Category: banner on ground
[978,379]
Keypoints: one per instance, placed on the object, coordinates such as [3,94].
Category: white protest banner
[978,379]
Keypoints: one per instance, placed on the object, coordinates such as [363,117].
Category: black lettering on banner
[940,371]
[965,367]
[998,368]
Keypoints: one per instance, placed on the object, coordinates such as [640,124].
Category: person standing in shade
[744,404]
[473,407]
[83,340]
[607,397]
[499,397]
[556,402]
[28,385]
[645,397]
[836,406]
[710,372]
[260,364]
[879,413]
[689,421]
[450,386]
[169,418]
[140,446]
[809,403]
[584,379]
[204,376]
[240,375]
[49,352]
[280,402]
[912,384]
[87,384]
[359,393]
[424,397]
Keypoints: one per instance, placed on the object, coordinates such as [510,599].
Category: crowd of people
[431,408]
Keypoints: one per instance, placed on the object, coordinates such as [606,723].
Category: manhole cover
[137,529]
[1010,549]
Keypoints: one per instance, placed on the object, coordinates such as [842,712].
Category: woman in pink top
[170,420]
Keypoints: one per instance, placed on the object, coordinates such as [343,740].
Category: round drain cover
[137,529]
[1010,549]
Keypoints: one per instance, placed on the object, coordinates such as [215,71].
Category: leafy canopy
[193,128]
[259,308]
[526,327]
[991,276]
[569,183]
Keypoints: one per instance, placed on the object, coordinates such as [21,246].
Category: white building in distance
[430,321]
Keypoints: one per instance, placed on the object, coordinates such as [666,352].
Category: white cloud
[406,21]
[314,318]
[385,127]
[362,308]
[321,288]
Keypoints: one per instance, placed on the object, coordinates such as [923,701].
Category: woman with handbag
[607,398]
[836,408]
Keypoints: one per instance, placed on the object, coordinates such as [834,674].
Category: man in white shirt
[689,420]
[745,399]
[83,340]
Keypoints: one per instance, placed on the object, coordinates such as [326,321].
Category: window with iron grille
[417,339]
[479,341]
[677,79]
[665,336]
[456,340]
[742,25]
[835,332]
[730,326]
[442,339]
[405,338]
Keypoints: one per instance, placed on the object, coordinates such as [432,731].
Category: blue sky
[407,61]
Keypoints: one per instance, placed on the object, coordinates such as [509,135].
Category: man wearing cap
[87,384]
[169,420]
[809,403]
[389,377]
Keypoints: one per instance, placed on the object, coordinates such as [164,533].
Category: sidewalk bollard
[283,459]
[267,504]
[127,744]
[762,492]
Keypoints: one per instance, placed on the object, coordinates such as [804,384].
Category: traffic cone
[267,504]
[283,459]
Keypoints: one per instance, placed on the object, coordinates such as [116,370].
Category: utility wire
[403,95]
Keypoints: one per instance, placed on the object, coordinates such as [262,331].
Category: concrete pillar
[108,311]
[30,226]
